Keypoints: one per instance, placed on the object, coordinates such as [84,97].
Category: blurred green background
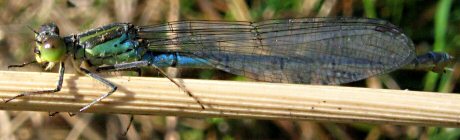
[433,25]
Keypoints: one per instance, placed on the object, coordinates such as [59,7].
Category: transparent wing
[310,50]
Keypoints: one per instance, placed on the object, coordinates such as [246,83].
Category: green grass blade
[440,23]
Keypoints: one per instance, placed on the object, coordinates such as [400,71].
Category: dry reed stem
[158,96]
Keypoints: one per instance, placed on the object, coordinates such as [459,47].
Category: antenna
[36,33]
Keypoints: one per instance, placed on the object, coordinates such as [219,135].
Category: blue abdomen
[174,60]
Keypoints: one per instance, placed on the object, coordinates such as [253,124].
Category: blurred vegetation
[433,25]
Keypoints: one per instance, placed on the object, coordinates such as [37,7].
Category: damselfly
[304,51]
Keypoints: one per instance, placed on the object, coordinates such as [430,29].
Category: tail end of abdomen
[433,61]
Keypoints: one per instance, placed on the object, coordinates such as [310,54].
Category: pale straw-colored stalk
[259,100]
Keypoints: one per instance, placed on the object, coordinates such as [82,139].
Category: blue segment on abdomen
[174,60]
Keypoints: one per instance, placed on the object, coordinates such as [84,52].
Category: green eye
[52,49]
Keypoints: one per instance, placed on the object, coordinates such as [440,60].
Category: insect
[301,51]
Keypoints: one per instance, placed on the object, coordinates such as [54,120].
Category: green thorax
[107,45]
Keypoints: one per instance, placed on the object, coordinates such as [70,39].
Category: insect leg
[129,125]
[23,64]
[57,89]
[123,66]
[102,80]
[181,86]
[146,63]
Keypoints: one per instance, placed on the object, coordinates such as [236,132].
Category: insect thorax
[108,45]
